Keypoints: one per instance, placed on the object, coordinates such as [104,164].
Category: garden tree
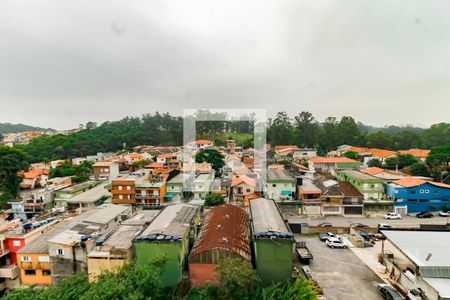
[374,163]
[418,169]
[280,130]
[436,135]
[83,170]
[211,156]
[71,288]
[347,132]
[11,161]
[379,140]
[328,139]
[351,154]
[439,156]
[300,289]
[407,140]
[400,161]
[132,281]
[214,199]
[236,278]
[307,130]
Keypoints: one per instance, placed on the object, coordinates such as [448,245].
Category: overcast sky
[63,63]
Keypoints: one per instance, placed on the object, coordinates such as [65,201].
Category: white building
[419,262]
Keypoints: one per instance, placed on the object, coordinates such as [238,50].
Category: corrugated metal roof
[174,220]
[225,227]
[279,175]
[267,219]
[424,248]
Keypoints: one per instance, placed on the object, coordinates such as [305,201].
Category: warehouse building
[224,233]
[272,241]
[168,235]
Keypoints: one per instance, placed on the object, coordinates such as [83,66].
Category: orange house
[34,267]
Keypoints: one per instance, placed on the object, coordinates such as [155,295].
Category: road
[340,273]
[406,221]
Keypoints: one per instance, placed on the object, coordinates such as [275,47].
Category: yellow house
[111,254]
[33,259]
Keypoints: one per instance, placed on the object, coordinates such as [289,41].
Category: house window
[25,258]
[128,188]
[120,196]
[248,190]
[59,252]
[44,259]
[46,273]
[274,185]
[413,192]
[30,272]
[16,243]
[120,187]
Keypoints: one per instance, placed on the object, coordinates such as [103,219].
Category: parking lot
[406,221]
[340,273]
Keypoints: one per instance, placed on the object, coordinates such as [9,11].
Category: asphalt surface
[340,273]
[407,221]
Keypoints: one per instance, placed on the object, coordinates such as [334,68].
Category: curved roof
[225,227]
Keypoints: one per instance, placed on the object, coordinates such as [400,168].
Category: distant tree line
[305,131]
[163,129]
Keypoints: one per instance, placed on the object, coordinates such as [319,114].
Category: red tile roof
[331,160]
[34,174]
[243,179]
[372,170]
[409,181]
[225,227]
[202,142]
[154,165]
[167,155]
[416,152]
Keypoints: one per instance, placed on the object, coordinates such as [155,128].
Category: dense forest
[302,130]
[13,128]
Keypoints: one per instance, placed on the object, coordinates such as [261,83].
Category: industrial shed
[272,241]
[168,235]
[225,233]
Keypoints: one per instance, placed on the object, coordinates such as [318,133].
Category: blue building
[413,195]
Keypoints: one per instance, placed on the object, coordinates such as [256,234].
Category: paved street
[340,273]
[406,221]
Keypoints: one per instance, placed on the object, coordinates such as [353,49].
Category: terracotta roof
[372,170]
[225,227]
[167,155]
[33,174]
[409,181]
[374,151]
[331,160]
[278,148]
[103,164]
[154,165]
[416,152]
[348,190]
[134,155]
[202,142]
[440,184]
[300,166]
[243,179]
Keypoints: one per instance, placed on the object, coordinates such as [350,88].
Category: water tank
[84,238]
[27,226]
[99,243]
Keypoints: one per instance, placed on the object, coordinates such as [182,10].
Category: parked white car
[392,216]
[444,214]
[336,243]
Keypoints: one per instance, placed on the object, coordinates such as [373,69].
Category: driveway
[407,221]
[340,273]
